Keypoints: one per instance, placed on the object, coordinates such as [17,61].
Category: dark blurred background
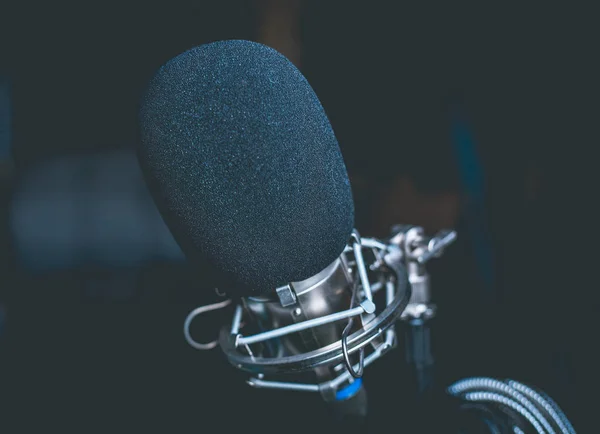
[462,115]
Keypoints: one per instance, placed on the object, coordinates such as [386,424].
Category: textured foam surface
[244,166]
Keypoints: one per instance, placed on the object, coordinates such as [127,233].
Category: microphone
[247,173]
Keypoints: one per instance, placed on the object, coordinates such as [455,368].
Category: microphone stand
[418,250]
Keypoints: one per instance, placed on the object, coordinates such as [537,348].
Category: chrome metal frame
[397,297]
[390,257]
[380,350]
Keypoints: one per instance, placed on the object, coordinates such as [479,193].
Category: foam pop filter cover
[244,165]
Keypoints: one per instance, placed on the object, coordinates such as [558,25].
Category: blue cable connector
[349,391]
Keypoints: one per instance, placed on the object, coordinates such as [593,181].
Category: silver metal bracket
[287,296]
[417,249]
[368,306]
[436,245]
[419,311]
[332,385]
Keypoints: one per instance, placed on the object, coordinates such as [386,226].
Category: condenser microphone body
[247,173]
[244,166]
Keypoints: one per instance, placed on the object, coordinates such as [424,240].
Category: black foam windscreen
[244,165]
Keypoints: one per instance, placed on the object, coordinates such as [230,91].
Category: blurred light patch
[2,318]
[89,210]
[5,119]
[473,183]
